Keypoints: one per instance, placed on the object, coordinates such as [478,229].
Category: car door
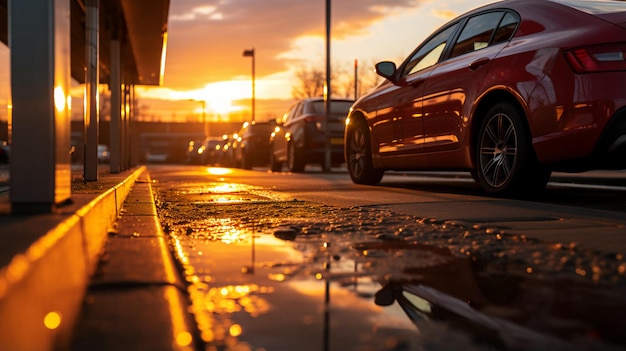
[452,87]
[281,136]
[407,114]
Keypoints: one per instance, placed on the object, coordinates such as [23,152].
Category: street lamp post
[328,92]
[250,53]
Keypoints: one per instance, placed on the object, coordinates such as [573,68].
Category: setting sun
[220,96]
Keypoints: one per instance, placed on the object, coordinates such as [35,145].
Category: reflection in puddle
[359,299]
[283,306]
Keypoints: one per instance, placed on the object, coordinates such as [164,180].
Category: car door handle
[478,63]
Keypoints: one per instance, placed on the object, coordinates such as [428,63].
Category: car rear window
[262,128]
[595,7]
[338,109]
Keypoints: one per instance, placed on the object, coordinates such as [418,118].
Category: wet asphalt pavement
[267,272]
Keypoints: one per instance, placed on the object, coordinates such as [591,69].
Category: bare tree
[309,82]
[343,81]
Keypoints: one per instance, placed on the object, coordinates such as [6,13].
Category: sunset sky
[206,40]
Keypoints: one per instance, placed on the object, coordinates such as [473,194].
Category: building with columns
[120,43]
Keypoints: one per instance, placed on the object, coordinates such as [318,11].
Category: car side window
[288,116]
[298,111]
[477,33]
[506,28]
[429,53]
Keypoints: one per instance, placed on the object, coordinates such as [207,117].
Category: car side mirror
[386,69]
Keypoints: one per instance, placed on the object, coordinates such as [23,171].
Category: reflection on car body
[510,92]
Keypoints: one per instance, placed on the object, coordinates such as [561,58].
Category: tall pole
[250,53]
[356,78]
[327,92]
[205,123]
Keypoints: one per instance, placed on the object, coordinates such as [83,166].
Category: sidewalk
[95,275]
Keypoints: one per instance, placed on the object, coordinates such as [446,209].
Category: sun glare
[220,95]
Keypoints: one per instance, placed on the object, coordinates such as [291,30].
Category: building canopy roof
[140,25]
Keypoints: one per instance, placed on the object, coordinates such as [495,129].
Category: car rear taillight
[598,58]
[318,120]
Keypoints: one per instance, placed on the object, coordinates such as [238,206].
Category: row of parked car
[295,140]
[510,92]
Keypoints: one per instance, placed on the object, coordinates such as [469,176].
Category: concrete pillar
[129,125]
[126,129]
[124,126]
[92,78]
[116,107]
[39,40]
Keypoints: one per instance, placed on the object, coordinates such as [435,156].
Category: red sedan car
[510,92]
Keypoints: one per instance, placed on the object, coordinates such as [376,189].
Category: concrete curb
[41,289]
[136,299]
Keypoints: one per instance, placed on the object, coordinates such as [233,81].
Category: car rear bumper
[594,147]
[315,150]
[581,128]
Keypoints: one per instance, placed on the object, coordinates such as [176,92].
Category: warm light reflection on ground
[219,170]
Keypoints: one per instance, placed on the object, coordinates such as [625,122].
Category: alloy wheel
[498,150]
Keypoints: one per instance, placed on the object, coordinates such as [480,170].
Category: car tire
[295,163]
[359,155]
[505,160]
[275,165]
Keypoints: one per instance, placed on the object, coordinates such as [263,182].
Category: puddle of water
[319,278]
[287,301]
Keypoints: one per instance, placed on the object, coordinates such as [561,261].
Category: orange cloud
[206,40]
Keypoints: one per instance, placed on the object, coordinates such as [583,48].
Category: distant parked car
[253,147]
[103,153]
[211,150]
[5,149]
[194,153]
[509,92]
[225,156]
[158,152]
[300,137]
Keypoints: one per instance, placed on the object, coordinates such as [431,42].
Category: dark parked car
[212,150]
[300,138]
[5,149]
[253,146]
[226,154]
[510,91]
[204,152]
